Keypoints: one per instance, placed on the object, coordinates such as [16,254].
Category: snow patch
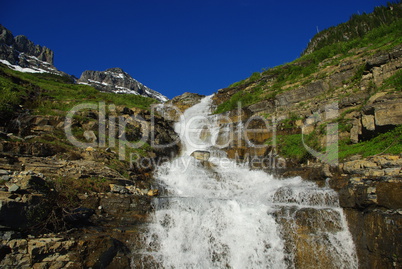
[23,69]
[98,82]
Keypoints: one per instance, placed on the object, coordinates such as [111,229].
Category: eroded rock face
[302,231]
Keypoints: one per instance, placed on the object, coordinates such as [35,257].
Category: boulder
[153,192]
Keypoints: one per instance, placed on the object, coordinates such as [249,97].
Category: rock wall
[370,192]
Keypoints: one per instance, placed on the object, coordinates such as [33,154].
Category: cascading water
[224,215]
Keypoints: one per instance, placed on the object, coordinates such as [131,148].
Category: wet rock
[153,193]
[377,237]
[201,155]
[107,252]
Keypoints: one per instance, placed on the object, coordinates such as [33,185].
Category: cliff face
[117,81]
[21,54]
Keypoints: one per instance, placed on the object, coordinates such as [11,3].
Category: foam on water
[228,216]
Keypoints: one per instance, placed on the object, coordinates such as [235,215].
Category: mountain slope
[361,75]
[117,81]
[20,54]
[356,27]
[268,84]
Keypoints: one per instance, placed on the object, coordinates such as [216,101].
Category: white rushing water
[225,215]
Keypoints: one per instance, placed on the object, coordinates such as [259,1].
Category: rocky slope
[21,54]
[64,205]
[77,207]
[291,113]
[117,81]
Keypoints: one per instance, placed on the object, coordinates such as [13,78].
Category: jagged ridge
[21,54]
[117,81]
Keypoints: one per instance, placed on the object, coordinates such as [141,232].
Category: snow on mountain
[117,81]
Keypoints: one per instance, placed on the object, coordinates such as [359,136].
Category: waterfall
[220,214]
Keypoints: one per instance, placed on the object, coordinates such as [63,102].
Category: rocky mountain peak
[115,70]
[6,36]
[117,81]
[20,53]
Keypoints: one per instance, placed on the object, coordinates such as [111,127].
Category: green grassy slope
[47,94]
[379,33]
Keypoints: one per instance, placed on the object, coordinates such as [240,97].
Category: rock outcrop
[21,54]
[117,81]
[173,109]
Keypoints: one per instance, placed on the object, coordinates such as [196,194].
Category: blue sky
[174,46]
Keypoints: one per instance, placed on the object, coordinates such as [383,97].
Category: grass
[48,94]
[245,99]
[291,146]
[394,82]
[381,36]
[357,26]
[387,143]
